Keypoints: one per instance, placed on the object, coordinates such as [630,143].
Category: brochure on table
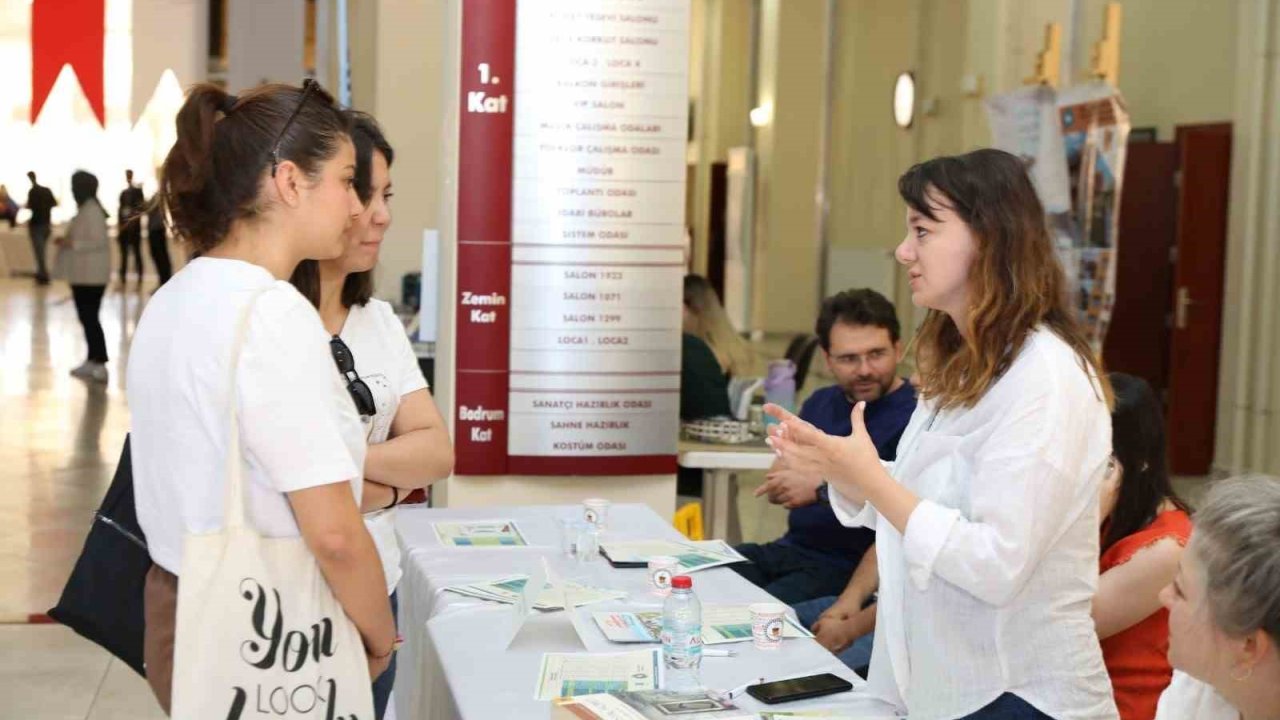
[692,556]
[573,674]
[480,533]
[508,589]
[720,624]
[523,606]
[650,705]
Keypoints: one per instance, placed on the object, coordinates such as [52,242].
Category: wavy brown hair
[1015,285]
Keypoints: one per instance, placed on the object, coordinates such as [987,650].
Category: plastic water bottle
[682,635]
[780,387]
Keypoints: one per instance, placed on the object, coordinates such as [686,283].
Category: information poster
[582,288]
[1095,130]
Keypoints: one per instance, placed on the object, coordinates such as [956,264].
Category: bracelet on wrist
[395,645]
[395,497]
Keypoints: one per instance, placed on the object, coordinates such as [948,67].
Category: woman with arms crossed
[409,445]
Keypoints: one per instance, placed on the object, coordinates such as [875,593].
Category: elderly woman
[1224,608]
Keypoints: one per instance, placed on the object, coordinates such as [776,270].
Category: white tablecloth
[453,665]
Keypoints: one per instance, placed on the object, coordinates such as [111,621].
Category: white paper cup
[661,569]
[596,512]
[767,622]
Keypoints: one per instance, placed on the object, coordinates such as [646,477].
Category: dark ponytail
[213,173]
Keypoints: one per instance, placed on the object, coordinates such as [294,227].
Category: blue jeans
[1008,707]
[793,574]
[857,655]
[382,686]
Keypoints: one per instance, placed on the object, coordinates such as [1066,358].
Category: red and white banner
[67,32]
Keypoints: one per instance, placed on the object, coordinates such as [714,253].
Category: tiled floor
[48,672]
[61,436]
[59,442]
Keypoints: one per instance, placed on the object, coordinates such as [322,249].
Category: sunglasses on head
[360,391]
[308,86]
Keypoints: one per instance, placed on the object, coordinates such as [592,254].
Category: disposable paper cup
[661,569]
[767,621]
[596,512]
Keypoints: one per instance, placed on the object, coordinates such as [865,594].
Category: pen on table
[719,653]
[731,694]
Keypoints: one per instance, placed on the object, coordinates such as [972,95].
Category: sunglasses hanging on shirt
[360,391]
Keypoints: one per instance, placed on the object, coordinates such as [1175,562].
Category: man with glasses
[813,565]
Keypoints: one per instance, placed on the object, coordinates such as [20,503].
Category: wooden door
[1137,340]
[1199,277]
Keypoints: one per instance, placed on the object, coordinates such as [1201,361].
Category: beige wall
[1249,392]
[1177,59]
[721,92]
[792,79]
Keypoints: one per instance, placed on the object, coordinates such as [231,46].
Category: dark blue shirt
[815,527]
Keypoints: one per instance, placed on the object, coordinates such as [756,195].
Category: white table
[452,665]
[717,463]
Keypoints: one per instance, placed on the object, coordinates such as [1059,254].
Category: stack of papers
[691,555]
[655,704]
[865,710]
[572,674]
[480,533]
[720,624]
[509,589]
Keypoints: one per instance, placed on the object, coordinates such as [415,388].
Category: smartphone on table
[780,691]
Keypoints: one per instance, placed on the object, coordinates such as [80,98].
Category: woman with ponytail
[253,185]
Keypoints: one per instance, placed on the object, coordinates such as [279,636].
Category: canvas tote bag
[259,633]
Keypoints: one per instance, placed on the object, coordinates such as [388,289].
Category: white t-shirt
[1187,698]
[385,360]
[990,589]
[298,426]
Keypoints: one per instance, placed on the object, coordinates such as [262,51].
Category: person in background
[409,446]
[704,370]
[705,319]
[41,202]
[1144,528]
[282,190]
[129,226]
[987,522]
[88,270]
[1224,608]
[158,241]
[811,564]
[8,207]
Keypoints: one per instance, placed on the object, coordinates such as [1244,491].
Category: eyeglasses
[308,86]
[360,392]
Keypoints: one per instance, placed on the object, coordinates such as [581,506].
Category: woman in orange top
[1144,528]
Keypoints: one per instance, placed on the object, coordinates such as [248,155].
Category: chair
[688,520]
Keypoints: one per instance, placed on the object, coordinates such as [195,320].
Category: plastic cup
[596,512]
[767,622]
[568,535]
[661,569]
[588,545]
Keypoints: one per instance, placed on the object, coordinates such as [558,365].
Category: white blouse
[990,589]
[1189,699]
